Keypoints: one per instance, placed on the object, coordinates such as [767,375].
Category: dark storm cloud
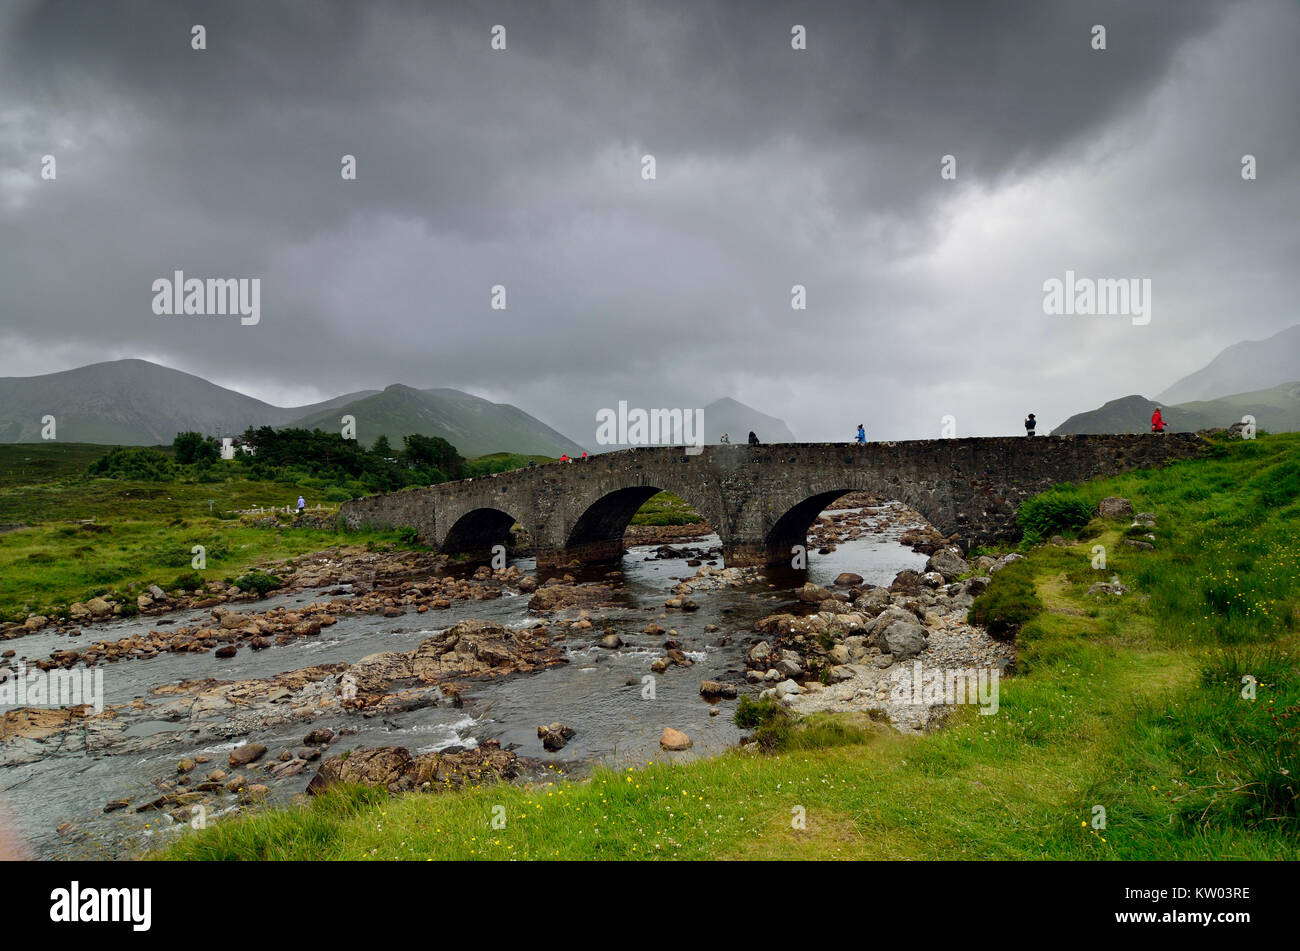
[521,168]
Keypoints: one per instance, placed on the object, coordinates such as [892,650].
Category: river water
[614,723]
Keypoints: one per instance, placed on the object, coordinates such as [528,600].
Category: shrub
[771,722]
[188,580]
[1009,603]
[1059,510]
[144,464]
[259,582]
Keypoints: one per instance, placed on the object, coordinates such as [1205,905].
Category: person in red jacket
[1157,422]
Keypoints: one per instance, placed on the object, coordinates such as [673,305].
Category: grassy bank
[664,508]
[84,536]
[1133,704]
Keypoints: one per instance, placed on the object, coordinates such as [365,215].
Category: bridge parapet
[761,499]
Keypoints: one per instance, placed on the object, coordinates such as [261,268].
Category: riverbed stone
[248,753]
[674,740]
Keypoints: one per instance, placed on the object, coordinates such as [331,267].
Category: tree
[141,463]
[433,452]
[192,447]
[382,448]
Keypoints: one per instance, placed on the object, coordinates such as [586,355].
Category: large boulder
[99,607]
[555,597]
[887,617]
[674,740]
[1115,507]
[949,563]
[246,754]
[903,639]
[813,593]
[906,581]
[555,735]
[378,671]
[395,769]
[872,601]
[469,648]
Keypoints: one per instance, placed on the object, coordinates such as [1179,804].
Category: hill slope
[473,425]
[1246,366]
[1276,409]
[135,402]
[131,402]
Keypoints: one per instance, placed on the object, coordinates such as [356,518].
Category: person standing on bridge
[753,440]
[1157,422]
[302,504]
[862,435]
[1030,424]
[726,440]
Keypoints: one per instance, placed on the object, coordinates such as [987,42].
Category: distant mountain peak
[1246,366]
[138,402]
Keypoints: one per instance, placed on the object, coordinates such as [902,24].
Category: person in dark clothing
[1030,424]
[753,440]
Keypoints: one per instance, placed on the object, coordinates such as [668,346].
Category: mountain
[737,420]
[135,402]
[1276,409]
[1246,366]
[126,401]
[474,426]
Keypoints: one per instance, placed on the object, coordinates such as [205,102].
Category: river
[614,723]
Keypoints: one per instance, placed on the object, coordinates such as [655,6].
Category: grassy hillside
[43,462]
[1133,704]
[139,532]
[1276,410]
[474,426]
[132,402]
[1244,366]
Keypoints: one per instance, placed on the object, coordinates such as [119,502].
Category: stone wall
[408,507]
[761,499]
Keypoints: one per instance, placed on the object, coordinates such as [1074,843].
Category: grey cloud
[521,168]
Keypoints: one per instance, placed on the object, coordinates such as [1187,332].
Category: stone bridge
[761,500]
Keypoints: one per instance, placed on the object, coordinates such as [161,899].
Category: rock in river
[674,740]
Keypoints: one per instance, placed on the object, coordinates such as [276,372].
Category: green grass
[40,462]
[1131,704]
[664,508]
[142,533]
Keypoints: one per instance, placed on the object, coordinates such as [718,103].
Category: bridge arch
[787,517]
[477,531]
[597,533]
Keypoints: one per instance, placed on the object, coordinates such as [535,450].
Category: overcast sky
[774,166]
